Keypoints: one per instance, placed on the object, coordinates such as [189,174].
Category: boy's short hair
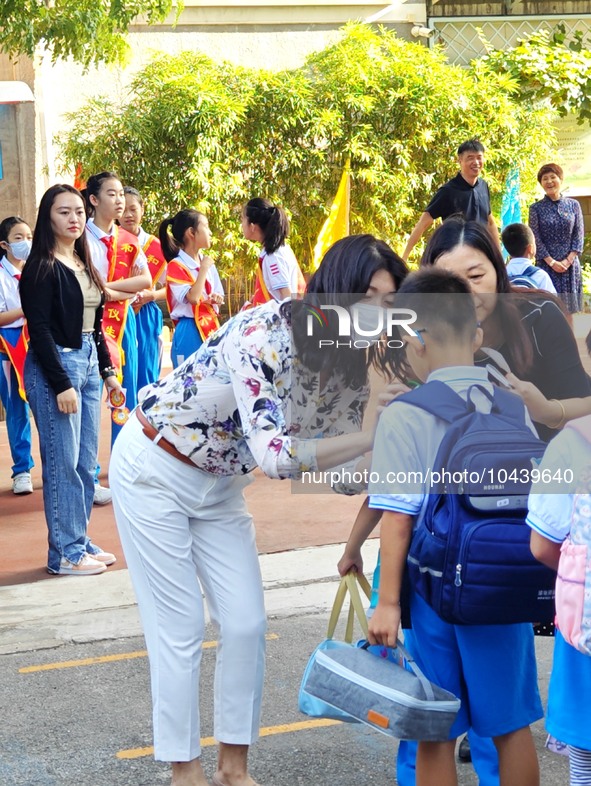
[471,146]
[516,238]
[443,303]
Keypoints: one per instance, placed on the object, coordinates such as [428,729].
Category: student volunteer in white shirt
[194,291]
[278,274]
[15,245]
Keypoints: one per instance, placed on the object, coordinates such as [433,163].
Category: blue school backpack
[524,279]
[573,582]
[469,557]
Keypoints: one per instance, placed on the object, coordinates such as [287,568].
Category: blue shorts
[491,668]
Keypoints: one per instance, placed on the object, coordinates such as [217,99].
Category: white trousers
[183,529]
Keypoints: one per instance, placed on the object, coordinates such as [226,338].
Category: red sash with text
[205,315]
[156,261]
[17,355]
[122,251]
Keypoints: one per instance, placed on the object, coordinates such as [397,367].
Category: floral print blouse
[242,400]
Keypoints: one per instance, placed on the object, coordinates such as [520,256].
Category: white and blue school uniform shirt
[9,294]
[98,250]
[407,441]
[187,338]
[280,271]
[17,410]
[181,306]
[540,279]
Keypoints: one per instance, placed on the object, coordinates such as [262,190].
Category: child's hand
[352,561]
[384,623]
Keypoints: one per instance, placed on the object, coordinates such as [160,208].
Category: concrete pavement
[76,610]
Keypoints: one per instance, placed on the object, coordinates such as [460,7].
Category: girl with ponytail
[194,291]
[279,275]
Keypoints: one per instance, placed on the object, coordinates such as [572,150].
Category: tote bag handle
[350,584]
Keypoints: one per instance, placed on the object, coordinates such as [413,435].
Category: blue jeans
[68,445]
[18,426]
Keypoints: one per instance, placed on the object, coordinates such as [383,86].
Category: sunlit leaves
[195,132]
[89,31]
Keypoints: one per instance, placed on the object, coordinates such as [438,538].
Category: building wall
[19,132]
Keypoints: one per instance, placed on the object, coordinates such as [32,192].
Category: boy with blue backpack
[490,667]
[520,243]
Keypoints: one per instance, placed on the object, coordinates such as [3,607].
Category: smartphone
[498,377]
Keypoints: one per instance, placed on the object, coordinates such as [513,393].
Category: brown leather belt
[153,433]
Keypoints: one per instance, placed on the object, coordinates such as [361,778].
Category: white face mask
[20,250]
[367,322]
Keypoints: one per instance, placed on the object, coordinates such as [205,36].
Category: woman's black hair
[131,191]
[272,220]
[5,226]
[588,342]
[457,231]
[42,256]
[185,219]
[343,278]
[93,186]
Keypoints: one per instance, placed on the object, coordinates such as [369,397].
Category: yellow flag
[336,225]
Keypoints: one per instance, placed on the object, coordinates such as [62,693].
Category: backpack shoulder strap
[438,399]
[530,271]
[509,405]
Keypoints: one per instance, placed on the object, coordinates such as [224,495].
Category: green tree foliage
[89,31]
[194,132]
[549,67]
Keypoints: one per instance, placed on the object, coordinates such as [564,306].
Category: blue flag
[510,208]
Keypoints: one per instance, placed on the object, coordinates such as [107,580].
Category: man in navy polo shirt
[466,193]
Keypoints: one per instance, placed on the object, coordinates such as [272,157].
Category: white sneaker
[104,556]
[22,484]
[86,567]
[102,495]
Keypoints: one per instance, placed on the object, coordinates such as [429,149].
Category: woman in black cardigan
[62,299]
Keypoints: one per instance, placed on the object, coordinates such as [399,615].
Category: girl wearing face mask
[62,299]
[193,288]
[15,245]
[148,314]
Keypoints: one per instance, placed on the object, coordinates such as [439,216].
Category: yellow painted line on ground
[267,731]
[69,664]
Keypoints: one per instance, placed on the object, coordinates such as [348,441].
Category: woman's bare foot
[188,773]
[232,766]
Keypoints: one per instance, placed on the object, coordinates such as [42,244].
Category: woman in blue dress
[557,224]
